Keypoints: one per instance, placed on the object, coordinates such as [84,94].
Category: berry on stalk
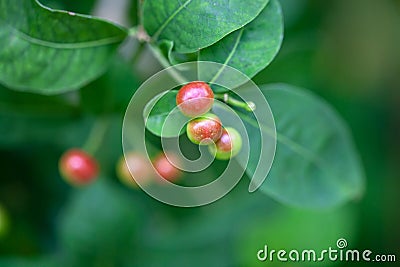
[204,130]
[228,146]
[195,99]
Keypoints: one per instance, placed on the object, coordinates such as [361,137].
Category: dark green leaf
[194,24]
[160,109]
[112,91]
[48,51]
[100,224]
[316,164]
[251,48]
[21,262]
[27,118]
[82,6]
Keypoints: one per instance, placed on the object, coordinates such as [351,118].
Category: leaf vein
[169,19]
[88,44]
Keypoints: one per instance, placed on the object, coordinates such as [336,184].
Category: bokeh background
[347,51]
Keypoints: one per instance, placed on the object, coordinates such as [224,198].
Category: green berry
[228,146]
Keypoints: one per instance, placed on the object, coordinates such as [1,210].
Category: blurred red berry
[165,168]
[78,167]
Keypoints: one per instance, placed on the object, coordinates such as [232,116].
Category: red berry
[195,99]
[78,167]
[139,168]
[165,168]
[204,130]
[228,145]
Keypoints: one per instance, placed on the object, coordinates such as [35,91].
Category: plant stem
[248,106]
[96,136]
[139,50]
[165,63]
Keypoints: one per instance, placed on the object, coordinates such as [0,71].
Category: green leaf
[112,91]
[84,6]
[28,118]
[48,51]
[100,223]
[253,47]
[36,262]
[290,229]
[200,235]
[195,24]
[160,109]
[174,58]
[316,164]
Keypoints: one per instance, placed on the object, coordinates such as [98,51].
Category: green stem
[166,64]
[96,136]
[138,53]
[133,31]
[248,106]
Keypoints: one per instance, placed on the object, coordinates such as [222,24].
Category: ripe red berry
[204,130]
[195,99]
[78,167]
[139,169]
[165,168]
[228,145]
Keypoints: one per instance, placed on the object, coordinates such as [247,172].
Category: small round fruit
[204,130]
[195,99]
[139,168]
[165,168]
[228,145]
[78,167]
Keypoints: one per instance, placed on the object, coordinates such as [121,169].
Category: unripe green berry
[228,146]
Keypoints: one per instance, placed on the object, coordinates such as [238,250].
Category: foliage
[62,73]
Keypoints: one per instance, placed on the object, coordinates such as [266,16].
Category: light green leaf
[160,109]
[48,51]
[295,229]
[195,24]
[253,47]
[316,164]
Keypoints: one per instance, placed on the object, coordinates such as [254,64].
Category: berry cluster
[195,100]
[79,168]
[140,168]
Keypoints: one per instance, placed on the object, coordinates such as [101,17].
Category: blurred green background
[347,51]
